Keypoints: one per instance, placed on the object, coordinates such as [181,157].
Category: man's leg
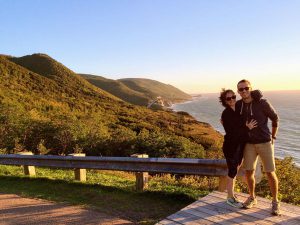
[266,153]
[273,183]
[250,182]
[250,158]
[251,200]
[249,164]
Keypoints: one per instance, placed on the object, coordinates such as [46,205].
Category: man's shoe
[233,201]
[249,203]
[276,208]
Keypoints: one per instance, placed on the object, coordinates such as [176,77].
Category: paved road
[15,210]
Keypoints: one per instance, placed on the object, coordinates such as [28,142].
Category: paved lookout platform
[212,209]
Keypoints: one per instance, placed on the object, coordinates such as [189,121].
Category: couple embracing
[247,137]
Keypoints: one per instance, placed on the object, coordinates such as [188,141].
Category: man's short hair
[244,81]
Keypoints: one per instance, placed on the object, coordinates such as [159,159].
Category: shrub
[289,182]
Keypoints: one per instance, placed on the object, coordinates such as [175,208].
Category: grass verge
[111,192]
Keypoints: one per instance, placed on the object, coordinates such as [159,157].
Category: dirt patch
[17,210]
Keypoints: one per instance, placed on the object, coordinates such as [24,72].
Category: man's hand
[274,132]
[252,124]
[273,140]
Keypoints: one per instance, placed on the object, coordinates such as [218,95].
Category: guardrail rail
[202,167]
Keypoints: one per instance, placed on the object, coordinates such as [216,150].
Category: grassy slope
[44,65]
[59,93]
[110,192]
[138,91]
[56,90]
[33,91]
[152,89]
[54,85]
[118,89]
[113,192]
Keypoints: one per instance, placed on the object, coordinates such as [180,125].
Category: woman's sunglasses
[229,98]
[245,88]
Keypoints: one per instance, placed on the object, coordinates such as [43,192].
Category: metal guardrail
[207,167]
[203,167]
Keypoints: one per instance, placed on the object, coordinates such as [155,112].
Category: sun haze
[197,46]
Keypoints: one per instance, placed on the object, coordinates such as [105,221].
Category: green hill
[153,89]
[44,65]
[117,89]
[47,108]
[138,91]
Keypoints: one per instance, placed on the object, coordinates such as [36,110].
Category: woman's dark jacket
[236,131]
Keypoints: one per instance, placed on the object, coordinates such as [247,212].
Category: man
[260,143]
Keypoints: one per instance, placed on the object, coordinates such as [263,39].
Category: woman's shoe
[234,202]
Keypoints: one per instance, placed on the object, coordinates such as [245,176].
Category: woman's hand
[252,124]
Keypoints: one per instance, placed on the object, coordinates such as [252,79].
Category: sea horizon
[206,108]
[205,93]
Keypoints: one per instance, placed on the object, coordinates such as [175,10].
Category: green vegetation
[153,88]
[289,182]
[118,89]
[113,192]
[48,109]
[138,91]
[110,192]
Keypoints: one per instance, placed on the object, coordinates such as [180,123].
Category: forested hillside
[138,91]
[117,89]
[153,88]
[49,109]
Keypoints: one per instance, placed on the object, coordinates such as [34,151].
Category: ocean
[207,108]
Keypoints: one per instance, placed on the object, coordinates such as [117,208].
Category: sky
[199,46]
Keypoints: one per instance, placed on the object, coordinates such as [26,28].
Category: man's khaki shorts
[265,151]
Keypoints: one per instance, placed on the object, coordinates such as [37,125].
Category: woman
[234,141]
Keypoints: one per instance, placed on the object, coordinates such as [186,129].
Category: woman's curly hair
[223,93]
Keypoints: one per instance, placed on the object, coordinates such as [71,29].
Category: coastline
[204,112]
[179,102]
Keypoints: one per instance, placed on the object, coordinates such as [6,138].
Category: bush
[289,182]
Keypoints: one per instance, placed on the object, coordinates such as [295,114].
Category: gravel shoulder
[17,210]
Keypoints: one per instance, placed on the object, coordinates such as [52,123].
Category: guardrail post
[222,183]
[141,177]
[80,174]
[28,170]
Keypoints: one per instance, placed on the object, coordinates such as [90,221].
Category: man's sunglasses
[245,88]
[229,98]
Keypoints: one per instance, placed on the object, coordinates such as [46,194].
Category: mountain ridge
[117,89]
[46,66]
[139,91]
[55,111]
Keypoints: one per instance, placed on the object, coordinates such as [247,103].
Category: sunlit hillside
[138,91]
[153,88]
[47,108]
[118,89]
